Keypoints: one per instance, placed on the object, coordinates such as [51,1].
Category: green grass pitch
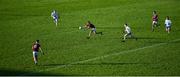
[68,52]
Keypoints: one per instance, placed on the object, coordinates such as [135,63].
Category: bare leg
[35,59]
[56,22]
[168,30]
[89,35]
[153,27]
[125,36]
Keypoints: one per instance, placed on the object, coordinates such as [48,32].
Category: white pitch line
[105,56]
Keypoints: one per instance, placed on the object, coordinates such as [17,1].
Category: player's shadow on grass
[150,38]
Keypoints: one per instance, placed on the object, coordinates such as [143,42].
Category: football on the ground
[80,27]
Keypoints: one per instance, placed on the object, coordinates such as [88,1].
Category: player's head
[54,11]
[167,17]
[88,22]
[154,12]
[125,24]
[37,41]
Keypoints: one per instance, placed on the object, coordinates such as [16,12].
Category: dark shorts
[128,34]
[168,27]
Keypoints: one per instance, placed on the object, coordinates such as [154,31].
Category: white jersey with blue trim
[54,15]
[128,29]
[168,23]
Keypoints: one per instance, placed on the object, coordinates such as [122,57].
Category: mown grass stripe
[105,56]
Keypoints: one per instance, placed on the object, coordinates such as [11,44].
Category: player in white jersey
[55,17]
[127,32]
[168,24]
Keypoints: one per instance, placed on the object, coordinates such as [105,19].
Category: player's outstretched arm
[41,50]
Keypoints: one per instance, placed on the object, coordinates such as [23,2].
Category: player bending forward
[168,24]
[35,48]
[54,15]
[128,33]
[90,26]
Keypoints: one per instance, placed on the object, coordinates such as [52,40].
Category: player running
[154,20]
[55,17]
[168,24]
[127,32]
[89,25]
[35,47]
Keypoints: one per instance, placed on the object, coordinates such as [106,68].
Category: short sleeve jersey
[36,47]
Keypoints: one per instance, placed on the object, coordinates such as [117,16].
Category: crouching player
[55,17]
[168,24]
[90,26]
[35,48]
[128,32]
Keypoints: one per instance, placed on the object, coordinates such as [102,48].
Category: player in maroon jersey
[36,47]
[154,20]
[89,25]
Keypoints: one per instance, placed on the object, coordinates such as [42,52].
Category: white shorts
[55,19]
[154,22]
[93,29]
[35,54]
